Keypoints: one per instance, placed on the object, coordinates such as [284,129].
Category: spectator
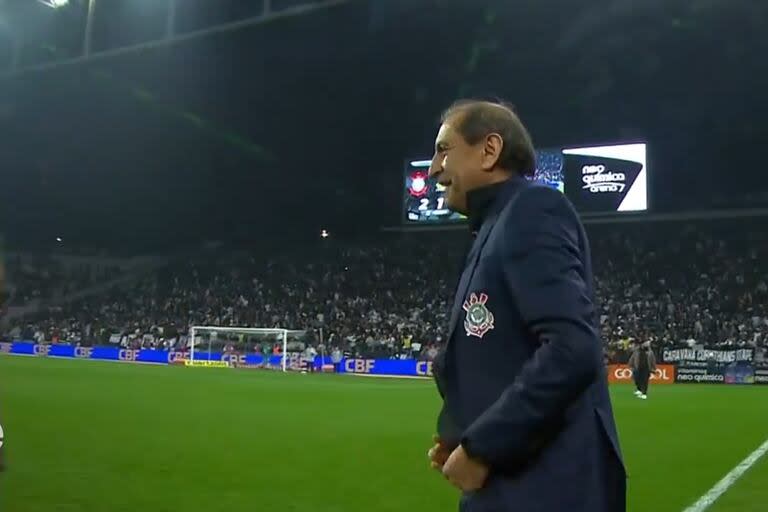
[666,283]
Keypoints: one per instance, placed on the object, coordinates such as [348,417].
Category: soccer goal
[232,346]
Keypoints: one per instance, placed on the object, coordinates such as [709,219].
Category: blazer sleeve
[543,269]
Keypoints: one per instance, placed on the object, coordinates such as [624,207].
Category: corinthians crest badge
[479,320]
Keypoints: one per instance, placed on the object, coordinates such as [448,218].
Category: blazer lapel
[469,271]
[507,197]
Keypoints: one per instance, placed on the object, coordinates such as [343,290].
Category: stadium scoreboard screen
[425,197]
[596,179]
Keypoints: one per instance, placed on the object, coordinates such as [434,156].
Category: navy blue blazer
[522,377]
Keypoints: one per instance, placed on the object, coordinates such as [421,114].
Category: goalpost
[212,332]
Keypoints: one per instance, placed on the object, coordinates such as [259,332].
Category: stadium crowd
[41,276]
[668,283]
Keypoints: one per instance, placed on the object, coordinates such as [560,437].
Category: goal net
[243,347]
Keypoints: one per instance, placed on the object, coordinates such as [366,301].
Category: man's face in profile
[456,165]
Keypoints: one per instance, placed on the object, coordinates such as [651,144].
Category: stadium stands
[40,276]
[664,282]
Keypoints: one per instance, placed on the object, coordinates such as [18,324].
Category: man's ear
[492,148]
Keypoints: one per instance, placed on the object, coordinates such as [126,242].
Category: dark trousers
[642,378]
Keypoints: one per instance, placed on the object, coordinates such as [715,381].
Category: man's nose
[435,168]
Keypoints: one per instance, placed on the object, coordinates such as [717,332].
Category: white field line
[728,480]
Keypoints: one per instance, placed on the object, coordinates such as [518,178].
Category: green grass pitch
[89,436]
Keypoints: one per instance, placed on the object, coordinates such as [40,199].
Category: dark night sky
[304,123]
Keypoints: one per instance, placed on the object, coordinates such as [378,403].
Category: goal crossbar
[243,330]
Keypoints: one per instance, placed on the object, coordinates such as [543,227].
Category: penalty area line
[728,480]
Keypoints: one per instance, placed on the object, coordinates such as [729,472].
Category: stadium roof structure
[184,119]
[265,11]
